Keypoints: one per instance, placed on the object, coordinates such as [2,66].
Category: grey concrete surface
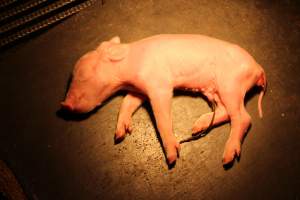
[69,157]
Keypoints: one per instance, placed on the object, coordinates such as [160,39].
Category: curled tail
[261,82]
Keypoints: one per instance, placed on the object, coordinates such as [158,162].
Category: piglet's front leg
[160,100]
[130,104]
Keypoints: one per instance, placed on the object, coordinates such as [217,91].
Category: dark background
[55,158]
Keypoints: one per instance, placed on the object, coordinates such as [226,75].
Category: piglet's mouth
[67,106]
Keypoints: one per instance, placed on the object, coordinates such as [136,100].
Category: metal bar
[51,20]
[34,15]
[6,3]
[20,8]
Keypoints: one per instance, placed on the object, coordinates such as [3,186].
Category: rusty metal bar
[5,3]
[20,8]
[42,24]
[43,11]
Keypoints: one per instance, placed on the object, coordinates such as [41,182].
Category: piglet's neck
[125,72]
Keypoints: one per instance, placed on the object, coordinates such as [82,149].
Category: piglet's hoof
[122,130]
[119,139]
[232,149]
[172,153]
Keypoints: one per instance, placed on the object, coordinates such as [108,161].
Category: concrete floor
[68,157]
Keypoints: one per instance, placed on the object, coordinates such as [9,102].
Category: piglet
[151,68]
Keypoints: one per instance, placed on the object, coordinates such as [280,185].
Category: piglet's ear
[117,52]
[115,40]
[105,44]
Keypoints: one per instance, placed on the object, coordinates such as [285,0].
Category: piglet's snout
[69,102]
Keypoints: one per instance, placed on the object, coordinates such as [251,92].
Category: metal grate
[20,18]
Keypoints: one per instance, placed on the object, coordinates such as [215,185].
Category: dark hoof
[227,166]
[171,165]
[119,139]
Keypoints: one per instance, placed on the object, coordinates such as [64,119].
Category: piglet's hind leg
[240,121]
[204,121]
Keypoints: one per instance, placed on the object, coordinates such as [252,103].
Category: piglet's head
[96,76]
